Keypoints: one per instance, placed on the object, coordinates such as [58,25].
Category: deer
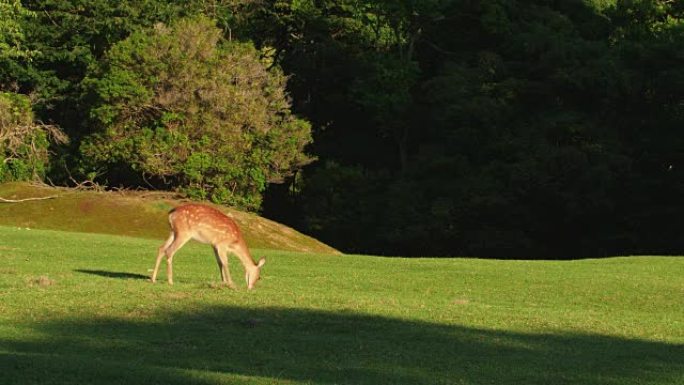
[210,226]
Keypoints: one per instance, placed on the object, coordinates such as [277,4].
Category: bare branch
[4,200]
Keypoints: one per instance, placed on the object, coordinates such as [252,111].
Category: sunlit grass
[78,308]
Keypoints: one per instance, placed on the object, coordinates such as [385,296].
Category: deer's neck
[246,259]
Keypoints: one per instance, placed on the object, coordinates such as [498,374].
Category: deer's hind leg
[160,254]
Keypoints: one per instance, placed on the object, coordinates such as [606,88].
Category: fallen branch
[26,199]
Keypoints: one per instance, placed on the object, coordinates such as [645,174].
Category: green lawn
[78,309]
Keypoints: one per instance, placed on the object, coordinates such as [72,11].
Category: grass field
[78,309]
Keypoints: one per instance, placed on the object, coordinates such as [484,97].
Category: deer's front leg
[222,260]
[178,242]
[160,254]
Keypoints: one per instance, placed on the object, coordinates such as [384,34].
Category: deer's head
[252,275]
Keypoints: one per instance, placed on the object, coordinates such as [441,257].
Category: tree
[14,53]
[506,151]
[11,32]
[23,142]
[179,106]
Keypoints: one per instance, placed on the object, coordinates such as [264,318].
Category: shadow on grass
[304,346]
[112,274]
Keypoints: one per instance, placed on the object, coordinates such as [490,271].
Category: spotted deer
[207,225]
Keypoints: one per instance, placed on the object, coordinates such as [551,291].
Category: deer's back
[204,223]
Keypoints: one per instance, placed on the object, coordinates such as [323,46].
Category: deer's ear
[262,261]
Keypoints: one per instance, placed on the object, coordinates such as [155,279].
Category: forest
[536,129]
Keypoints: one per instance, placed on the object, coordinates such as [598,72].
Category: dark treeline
[491,128]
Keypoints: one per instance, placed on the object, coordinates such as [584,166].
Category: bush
[183,108]
[23,142]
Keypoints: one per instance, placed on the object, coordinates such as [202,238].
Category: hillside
[131,213]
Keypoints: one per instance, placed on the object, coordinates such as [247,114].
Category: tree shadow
[112,274]
[322,348]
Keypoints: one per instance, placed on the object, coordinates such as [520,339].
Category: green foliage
[519,125]
[333,210]
[181,105]
[72,36]
[23,142]
[12,36]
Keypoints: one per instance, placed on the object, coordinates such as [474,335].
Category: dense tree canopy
[11,30]
[494,128]
[23,141]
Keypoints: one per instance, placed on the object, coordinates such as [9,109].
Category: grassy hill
[77,308]
[137,214]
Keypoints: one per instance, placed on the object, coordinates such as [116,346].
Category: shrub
[182,107]
[23,142]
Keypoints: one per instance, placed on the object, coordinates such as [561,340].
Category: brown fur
[207,225]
